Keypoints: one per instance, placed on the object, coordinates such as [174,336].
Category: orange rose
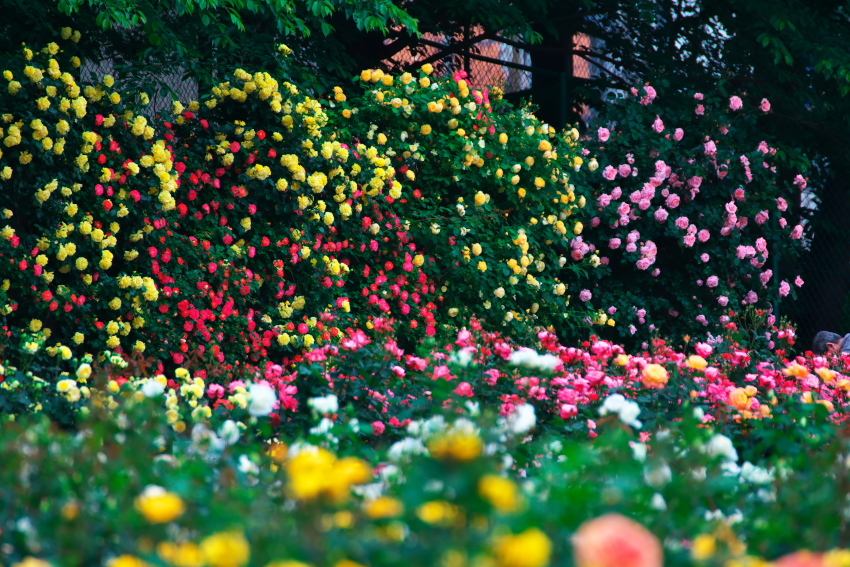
[739,399]
[614,540]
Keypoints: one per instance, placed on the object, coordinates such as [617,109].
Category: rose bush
[693,211]
[262,221]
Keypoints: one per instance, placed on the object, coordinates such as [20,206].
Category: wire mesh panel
[163,85]
[824,267]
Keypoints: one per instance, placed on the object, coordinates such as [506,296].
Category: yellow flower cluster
[458,443]
[316,472]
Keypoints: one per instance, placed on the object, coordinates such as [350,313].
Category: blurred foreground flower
[614,540]
[159,506]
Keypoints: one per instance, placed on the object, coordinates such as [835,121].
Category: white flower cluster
[626,410]
[529,358]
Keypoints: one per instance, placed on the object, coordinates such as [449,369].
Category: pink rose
[689,240]
[464,389]
[712,281]
[704,349]
[604,200]
[752,297]
[705,257]
[710,148]
[781,204]
[678,134]
[673,201]
[658,125]
[700,110]
[798,281]
[614,540]
[797,233]
[661,214]
[703,235]
[784,288]
[682,222]
[568,411]
[603,134]
[735,103]
[765,105]
[624,170]
[609,173]
[698,96]
[616,193]
[614,243]
[585,295]
[723,300]
[761,217]
[643,264]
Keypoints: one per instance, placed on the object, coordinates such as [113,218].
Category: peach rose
[802,558]
[614,540]
[655,376]
[739,399]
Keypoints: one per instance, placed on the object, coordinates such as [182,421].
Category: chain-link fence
[822,302]
[163,85]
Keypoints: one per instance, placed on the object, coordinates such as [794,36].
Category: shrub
[260,222]
[693,211]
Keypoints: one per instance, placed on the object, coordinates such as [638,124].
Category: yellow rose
[655,376]
[384,507]
[697,362]
[796,370]
[84,371]
[531,548]
[159,506]
[501,492]
[826,374]
[226,549]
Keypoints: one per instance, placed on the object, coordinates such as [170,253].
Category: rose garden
[403,320]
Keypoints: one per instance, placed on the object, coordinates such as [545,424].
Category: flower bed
[480,452]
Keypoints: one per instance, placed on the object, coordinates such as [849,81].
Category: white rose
[229,432]
[523,419]
[324,405]
[152,388]
[263,400]
[720,445]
